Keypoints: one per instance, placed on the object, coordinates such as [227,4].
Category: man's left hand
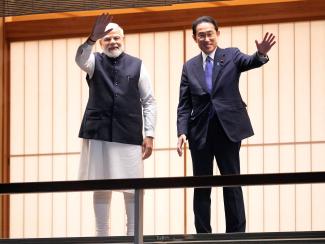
[147,146]
[266,44]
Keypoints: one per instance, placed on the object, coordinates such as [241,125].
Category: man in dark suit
[213,117]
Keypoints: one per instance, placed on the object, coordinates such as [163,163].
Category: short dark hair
[203,19]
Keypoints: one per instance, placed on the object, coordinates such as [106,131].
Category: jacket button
[115,94]
[116,83]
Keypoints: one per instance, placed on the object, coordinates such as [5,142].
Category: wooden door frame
[4,128]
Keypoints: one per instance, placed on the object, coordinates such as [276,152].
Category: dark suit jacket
[195,102]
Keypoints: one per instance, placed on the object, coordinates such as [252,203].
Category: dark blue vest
[114,111]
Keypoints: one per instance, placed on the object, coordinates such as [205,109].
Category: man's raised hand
[100,24]
[266,44]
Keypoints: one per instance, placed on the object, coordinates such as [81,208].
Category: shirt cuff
[262,58]
[87,45]
[149,133]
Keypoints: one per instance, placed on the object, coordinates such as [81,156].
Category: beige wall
[286,103]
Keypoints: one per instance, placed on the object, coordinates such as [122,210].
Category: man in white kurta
[115,151]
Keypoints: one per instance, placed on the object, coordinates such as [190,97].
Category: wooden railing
[140,184]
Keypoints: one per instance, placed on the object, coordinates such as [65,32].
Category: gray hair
[115,26]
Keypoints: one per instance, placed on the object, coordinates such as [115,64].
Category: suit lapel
[199,72]
[218,61]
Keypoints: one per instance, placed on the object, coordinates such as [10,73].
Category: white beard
[114,53]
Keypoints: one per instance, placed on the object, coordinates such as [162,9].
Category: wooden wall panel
[285,101]
[231,13]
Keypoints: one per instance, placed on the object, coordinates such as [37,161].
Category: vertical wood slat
[271,132]
[317,80]
[16,201]
[239,38]
[17,99]
[75,100]
[286,119]
[59,134]
[30,215]
[31,142]
[317,118]
[255,154]
[45,200]
[176,167]
[45,121]
[17,136]
[302,122]
[162,165]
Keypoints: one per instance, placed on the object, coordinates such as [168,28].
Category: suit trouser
[226,153]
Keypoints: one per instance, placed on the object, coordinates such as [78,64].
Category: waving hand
[100,24]
[266,44]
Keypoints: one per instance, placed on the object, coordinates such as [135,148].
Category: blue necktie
[208,73]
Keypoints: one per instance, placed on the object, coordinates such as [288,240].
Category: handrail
[164,182]
[139,184]
[283,237]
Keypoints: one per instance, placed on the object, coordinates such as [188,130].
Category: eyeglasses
[202,36]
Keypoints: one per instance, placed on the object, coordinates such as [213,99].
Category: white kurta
[111,160]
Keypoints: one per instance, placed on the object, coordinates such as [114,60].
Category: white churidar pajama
[111,160]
